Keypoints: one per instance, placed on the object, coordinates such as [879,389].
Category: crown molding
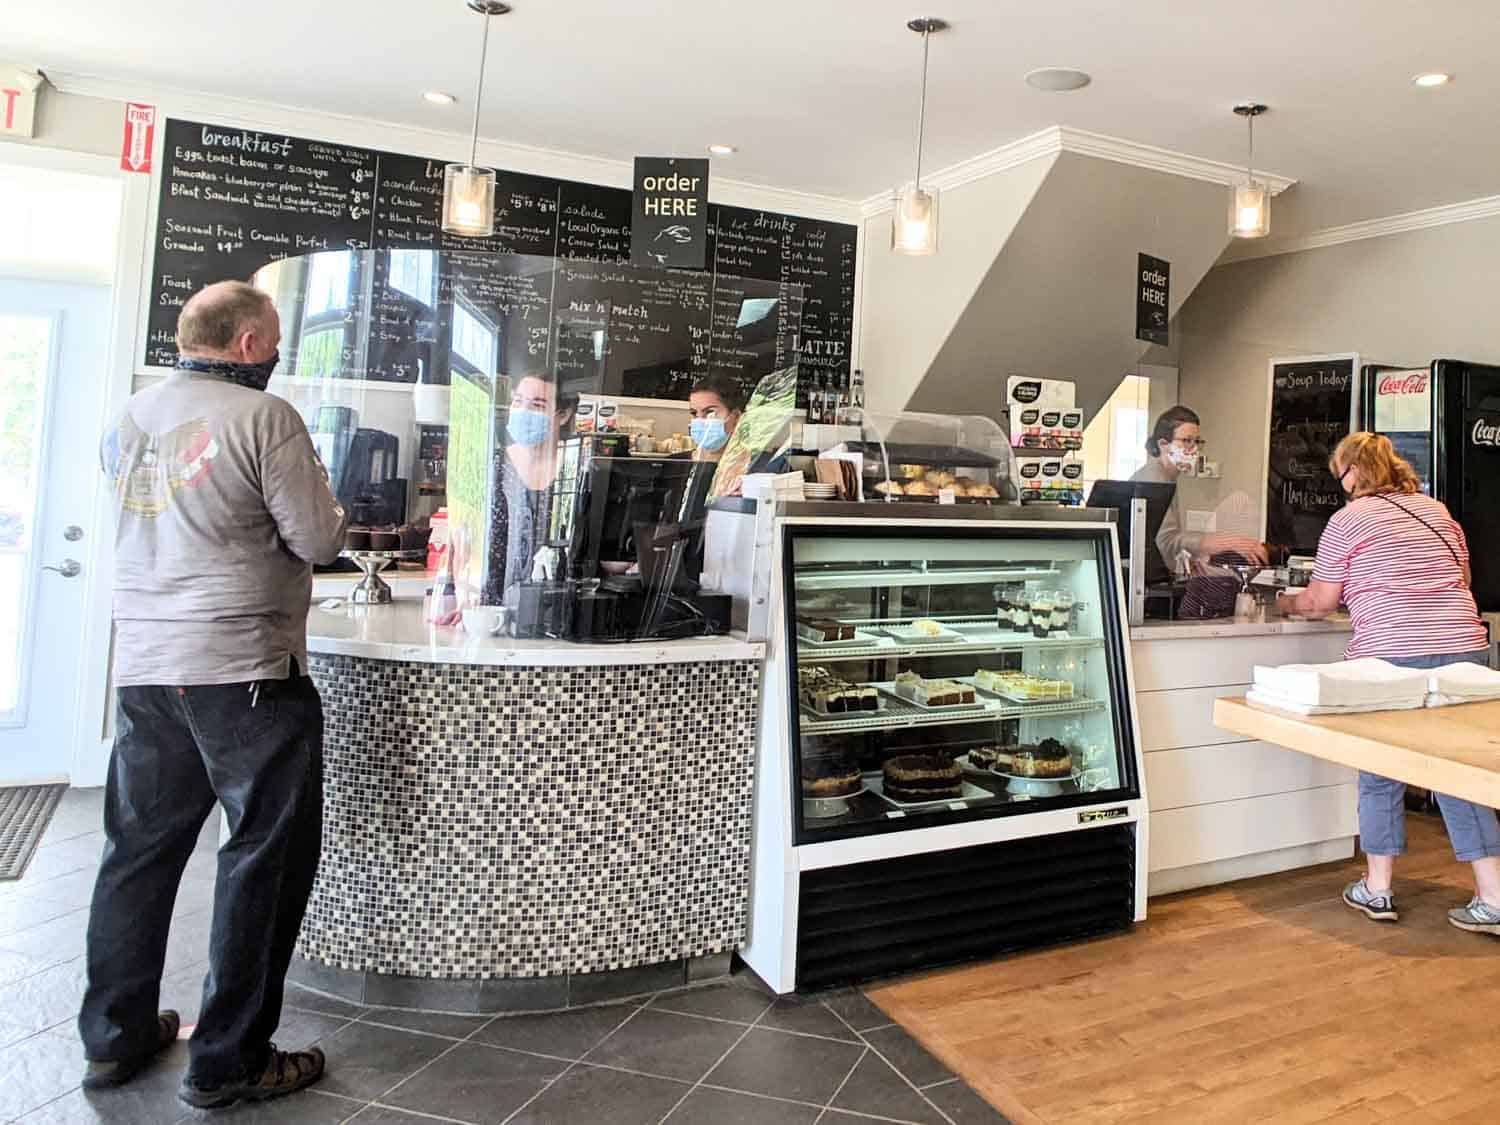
[1061,138]
[1486,207]
[1100,147]
[369,132]
[1036,146]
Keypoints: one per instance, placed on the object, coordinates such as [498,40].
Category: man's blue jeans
[257,750]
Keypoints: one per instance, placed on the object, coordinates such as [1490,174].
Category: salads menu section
[233,201]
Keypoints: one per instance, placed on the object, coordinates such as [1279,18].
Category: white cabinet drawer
[1203,775]
[1208,833]
[1171,719]
[1217,662]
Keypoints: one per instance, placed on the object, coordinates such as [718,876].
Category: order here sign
[669,212]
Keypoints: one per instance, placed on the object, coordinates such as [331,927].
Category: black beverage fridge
[1445,420]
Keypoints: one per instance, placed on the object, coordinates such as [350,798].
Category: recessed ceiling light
[1436,78]
[1058,79]
[722,150]
[438,97]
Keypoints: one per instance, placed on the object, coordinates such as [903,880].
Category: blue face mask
[528,427]
[708,434]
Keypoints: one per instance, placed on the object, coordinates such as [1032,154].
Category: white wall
[1405,299]
[908,306]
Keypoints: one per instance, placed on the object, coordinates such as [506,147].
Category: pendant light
[914,221]
[1250,202]
[469,192]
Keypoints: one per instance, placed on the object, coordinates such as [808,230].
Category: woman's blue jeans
[1473,829]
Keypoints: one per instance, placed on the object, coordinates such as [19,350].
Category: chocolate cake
[822,691]
[997,758]
[921,777]
[357,539]
[824,630]
[830,777]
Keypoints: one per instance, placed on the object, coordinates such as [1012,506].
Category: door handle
[68,568]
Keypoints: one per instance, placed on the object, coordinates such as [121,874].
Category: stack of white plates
[820,491]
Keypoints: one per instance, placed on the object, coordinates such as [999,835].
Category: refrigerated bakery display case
[949,758]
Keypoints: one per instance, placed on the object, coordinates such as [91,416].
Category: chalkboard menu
[233,201]
[1312,401]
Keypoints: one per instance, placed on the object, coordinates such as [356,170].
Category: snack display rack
[856,885]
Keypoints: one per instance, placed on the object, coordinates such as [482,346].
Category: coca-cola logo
[1485,433]
[1411,383]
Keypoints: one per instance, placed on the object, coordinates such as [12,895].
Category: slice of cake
[921,777]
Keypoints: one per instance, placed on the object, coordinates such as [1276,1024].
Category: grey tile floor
[724,1053]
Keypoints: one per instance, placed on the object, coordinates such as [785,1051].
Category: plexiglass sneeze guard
[952,673]
[477,388]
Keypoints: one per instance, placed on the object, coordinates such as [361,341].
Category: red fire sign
[140,135]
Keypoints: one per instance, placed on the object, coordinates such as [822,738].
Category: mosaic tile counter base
[494,822]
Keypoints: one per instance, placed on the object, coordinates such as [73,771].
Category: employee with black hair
[1171,449]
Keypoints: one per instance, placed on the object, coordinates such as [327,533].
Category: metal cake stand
[373,589]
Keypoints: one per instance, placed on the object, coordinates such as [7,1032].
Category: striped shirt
[1403,581]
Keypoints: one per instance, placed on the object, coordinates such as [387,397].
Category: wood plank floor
[1261,1001]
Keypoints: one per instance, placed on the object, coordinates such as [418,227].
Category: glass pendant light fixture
[914,220]
[1250,202]
[469,192]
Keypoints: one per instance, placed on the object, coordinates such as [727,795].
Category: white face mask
[1180,458]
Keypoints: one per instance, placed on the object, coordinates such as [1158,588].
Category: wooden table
[1452,750]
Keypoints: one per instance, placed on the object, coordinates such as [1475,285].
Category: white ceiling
[820,95]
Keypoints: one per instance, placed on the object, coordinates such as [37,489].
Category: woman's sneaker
[1479,917]
[285,1072]
[1382,908]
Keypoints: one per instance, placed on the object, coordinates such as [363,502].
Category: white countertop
[397,632]
[1228,627]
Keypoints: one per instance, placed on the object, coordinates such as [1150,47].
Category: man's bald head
[229,320]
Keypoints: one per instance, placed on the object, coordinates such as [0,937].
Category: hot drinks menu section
[1311,405]
[232,201]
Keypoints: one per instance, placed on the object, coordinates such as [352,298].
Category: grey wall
[1405,298]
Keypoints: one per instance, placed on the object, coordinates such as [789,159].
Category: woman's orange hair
[1381,468]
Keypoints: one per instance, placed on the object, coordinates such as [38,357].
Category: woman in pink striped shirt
[1399,561]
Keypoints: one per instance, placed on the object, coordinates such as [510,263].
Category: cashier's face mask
[708,434]
[528,427]
[1180,458]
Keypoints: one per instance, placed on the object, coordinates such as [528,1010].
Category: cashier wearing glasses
[1172,449]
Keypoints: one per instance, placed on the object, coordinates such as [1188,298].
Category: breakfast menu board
[1312,402]
[234,200]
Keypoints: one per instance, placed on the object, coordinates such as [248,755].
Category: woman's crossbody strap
[1406,511]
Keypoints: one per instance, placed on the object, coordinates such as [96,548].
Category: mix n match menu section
[234,200]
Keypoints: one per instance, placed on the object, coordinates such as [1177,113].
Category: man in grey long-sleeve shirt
[222,508]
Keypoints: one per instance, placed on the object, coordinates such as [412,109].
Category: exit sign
[18,91]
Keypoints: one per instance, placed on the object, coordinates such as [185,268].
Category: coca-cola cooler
[1445,420]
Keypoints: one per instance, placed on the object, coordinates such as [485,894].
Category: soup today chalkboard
[1312,401]
[234,200]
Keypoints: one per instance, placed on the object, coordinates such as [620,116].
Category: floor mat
[25,812]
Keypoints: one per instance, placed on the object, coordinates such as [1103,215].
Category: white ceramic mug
[484,620]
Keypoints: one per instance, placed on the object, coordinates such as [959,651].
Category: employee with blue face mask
[537,420]
[714,409]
